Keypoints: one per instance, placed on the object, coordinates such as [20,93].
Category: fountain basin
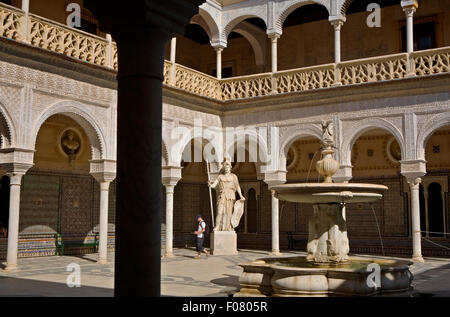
[298,277]
[326,193]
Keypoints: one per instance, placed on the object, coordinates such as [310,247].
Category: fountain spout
[327,166]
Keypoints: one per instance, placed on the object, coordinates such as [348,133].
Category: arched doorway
[59,195]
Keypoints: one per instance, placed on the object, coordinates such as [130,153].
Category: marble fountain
[327,270]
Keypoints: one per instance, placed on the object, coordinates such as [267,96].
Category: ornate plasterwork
[429,124]
[352,130]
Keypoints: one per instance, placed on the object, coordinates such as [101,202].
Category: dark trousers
[200,244]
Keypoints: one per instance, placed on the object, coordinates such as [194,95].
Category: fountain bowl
[298,277]
[325,193]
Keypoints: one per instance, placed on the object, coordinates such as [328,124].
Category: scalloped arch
[75,110]
[366,125]
[7,130]
[238,19]
[295,5]
[430,126]
[297,133]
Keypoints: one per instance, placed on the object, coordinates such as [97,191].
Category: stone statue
[70,145]
[327,133]
[228,185]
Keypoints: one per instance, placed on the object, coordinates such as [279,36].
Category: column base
[169,255]
[102,261]
[418,259]
[11,268]
[275,253]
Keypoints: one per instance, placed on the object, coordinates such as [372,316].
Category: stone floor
[182,275]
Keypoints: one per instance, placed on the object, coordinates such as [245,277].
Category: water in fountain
[378,226]
[310,165]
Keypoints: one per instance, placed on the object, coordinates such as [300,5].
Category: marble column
[13,226]
[409,12]
[415,219]
[103,236]
[274,51]
[219,61]
[173,50]
[337,25]
[26,9]
[169,220]
[275,225]
[25,5]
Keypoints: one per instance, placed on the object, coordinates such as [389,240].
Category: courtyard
[182,275]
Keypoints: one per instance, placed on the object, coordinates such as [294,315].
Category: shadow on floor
[230,280]
[11,286]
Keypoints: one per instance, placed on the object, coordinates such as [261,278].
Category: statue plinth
[224,243]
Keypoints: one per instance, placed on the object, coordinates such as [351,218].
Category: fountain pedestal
[327,241]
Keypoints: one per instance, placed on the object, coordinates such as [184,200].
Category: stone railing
[302,79]
[372,69]
[194,82]
[56,37]
[246,86]
[430,62]
[46,34]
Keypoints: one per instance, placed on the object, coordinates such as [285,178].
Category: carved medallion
[70,143]
[393,150]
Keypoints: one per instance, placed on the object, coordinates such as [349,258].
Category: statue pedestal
[224,243]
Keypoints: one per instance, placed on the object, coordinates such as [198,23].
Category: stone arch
[238,19]
[199,20]
[207,21]
[364,126]
[74,110]
[295,5]
[296,133]
[7,131]
[181,145]
[344,6]
[165,154]
[292,135]
[257,39]
[428,128]
[254,139]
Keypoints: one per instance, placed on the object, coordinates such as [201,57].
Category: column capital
[409,4]
[344,174]
[414,183]
[412,169]
[275,178]
[16,160]
[103,170]
[337,21]
[274,36]
[219,45]
[170,175]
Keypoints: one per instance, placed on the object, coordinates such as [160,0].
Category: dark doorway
[435,211]
[252,211]
[424,36]
[4,205]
